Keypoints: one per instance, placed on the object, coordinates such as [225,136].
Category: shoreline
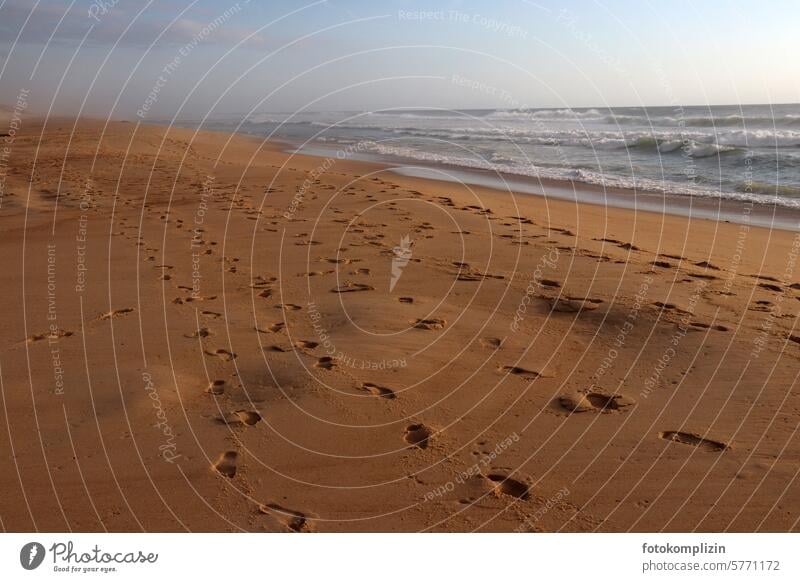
[757,214]
[724,210]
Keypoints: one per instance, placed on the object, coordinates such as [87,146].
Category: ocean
[747,153]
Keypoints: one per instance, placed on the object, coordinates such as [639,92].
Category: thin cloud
[38,24]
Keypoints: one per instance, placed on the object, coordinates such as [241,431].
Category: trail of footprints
[417,435]
[594,401]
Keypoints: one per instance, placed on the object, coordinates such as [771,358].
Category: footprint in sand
[58,333]
[762,306]
[491,343]
[474,276]
[575,402]
[505,485]
[703,276]
[606,402]
[698,324]
[213,314]
[288,306]
[278,348]
[433,323]
[262,280]
[380,391]
[222,354]
[226,464]
[342,261]
[675,257]
[549,283]
[619,243]
[326,363]
[306,344]
[117,313]
[418,435]
[522,220]
[594,401]
[574,304]
[202,332]
[770,287]
[216,387]
[274,328]
[406,299]
[524,372]
[686,438]
[349,287]
[194,298]
[765,278]
[295,521]
[242,417]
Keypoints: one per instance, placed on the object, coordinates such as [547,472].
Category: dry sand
[203,333]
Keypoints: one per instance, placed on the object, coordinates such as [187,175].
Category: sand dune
[201,332]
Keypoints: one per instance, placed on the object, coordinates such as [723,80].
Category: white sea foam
[585,176]
[668,149]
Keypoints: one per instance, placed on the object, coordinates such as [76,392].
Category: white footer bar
[400,557]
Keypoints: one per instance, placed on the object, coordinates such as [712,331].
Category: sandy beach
[202,332]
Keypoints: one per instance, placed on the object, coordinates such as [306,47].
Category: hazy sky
[191,59]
